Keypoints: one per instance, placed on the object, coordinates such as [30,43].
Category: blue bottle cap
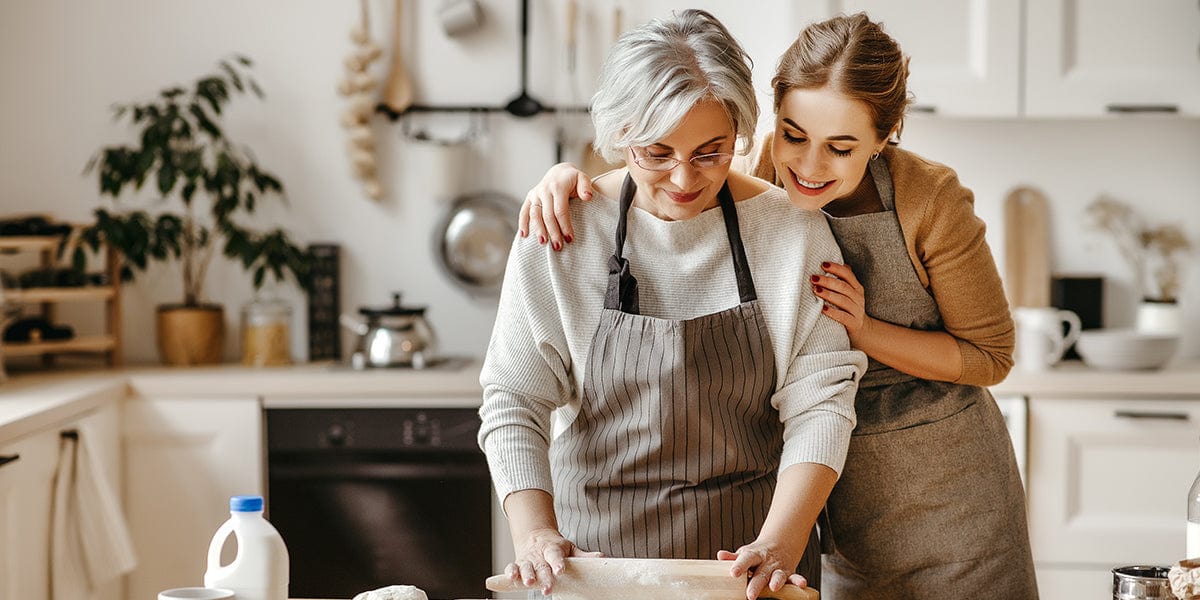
[246,503]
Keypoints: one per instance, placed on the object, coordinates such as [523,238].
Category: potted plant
[202,189]
[1155,254]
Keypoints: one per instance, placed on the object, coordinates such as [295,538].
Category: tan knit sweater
[946,243]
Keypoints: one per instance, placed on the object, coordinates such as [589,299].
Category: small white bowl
[1125,349]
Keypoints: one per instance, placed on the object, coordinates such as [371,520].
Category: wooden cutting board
[640,578]
[1026,248]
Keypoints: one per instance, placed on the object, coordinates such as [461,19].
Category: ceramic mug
[1040,338]
[196,593]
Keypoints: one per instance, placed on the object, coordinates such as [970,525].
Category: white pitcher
[1040,338]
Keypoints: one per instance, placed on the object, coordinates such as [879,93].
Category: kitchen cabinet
[107,342]
[1046,58]
[184,458]
[1108,483]
[26,501]
[1088,59]
[26,489]
[966,56]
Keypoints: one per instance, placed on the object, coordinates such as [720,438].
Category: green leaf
[167,175]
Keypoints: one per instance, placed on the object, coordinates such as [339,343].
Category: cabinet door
[184,458]
[965,55]
[1108,56]
[1108,480]
[26,491]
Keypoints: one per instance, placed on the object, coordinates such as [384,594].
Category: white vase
[1159,317]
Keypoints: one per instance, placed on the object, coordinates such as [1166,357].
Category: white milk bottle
[260,569]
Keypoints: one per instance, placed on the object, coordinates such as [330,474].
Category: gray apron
[676,446]
[930,503]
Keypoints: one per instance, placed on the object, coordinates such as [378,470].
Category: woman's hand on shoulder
[545,214]
[844,297]
[541,557]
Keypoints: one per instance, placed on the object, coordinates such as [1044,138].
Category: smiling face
[823,141]
[685,191]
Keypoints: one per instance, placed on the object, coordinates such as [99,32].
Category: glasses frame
[668,163]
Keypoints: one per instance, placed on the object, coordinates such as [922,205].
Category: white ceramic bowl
[1125,349]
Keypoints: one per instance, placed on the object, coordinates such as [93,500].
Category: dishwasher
[370,497]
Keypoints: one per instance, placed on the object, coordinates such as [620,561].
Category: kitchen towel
[89,537]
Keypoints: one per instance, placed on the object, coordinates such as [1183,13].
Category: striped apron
[675,449]
[930,503]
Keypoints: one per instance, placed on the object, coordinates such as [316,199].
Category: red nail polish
[569,239]
[555,245]
[825,308]
[825,265]
[541,239]
[522,232]
[816,278]
[818,289]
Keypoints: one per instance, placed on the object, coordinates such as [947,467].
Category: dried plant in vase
[1156,254]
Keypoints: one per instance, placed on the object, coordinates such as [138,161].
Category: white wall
[63,62]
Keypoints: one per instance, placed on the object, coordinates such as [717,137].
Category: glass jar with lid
[266,340]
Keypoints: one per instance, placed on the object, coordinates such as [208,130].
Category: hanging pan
[473,240]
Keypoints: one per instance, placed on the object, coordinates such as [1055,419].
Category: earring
[875,156]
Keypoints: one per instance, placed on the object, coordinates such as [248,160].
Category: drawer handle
[1138,414]
[4,460]
[1142,108]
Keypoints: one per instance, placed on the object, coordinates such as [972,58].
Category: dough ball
[394,592]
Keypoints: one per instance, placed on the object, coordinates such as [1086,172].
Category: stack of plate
[1125,349]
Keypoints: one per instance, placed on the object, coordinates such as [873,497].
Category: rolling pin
[660,578]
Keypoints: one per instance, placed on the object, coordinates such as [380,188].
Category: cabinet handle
[1142,108]
[4,460]
[1138,414]
[928,109]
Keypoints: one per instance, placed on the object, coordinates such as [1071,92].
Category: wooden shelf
[87,343]
[44,301]
[29,242]
[61,294]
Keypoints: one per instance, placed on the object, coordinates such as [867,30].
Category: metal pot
[1141,583]
[392,336]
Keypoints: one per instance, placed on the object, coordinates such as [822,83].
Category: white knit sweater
[551,303]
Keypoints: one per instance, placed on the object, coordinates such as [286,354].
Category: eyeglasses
[666,163]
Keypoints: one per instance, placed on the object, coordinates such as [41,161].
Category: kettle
[392,336]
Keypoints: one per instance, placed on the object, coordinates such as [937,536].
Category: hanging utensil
[473,241]
[524,105]
[398,92]
[592,163]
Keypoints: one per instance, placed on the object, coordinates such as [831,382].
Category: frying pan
[473,239]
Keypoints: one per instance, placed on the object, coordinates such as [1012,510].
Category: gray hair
[658,72]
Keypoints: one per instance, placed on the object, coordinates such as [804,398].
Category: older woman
[662,391]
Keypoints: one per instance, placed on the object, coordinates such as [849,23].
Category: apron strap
[883,182]
[741,266]
[622,291]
